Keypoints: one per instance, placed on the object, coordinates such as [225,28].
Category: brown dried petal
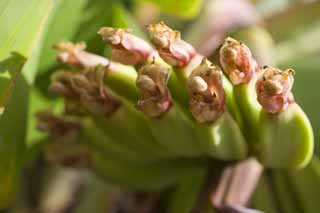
[274,89]
[152,81]
[57,126]
[237,61]
[93,94]
[207,96]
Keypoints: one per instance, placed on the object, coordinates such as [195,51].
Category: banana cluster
[153,115]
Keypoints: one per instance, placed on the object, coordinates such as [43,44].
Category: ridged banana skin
[130,128]
[175,131]
[306,184]
[152,177]
[186,192]
[222,140]
[286,139]
[95,137]
[285,194]
[262,199]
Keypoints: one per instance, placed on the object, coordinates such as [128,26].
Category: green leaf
[183,8]
[38,102]
[21,24]
[95,14]
[10,69]
[123,19]
[12,136]
[62,26]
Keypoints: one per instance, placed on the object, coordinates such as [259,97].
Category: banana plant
[86,88]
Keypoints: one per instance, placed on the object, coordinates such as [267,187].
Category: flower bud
[237,61]
[94,96]
[84,91]
[171,47]
[207,96]
[152,81]
[274,89]
[126,47]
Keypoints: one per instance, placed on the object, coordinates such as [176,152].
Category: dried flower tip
[237,61]
[75,54]
[171,47]
[207,96]
[94,96]
[126,47]
[57,126]
[152,81]
[61,84]
[198,84]
[274,89]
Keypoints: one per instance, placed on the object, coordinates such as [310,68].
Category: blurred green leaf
[62,26]
[12,135]
[183,8]
[37,103]
[295,19]
[96,14]
[123,19]
[10,69]
[84,18]
[300,46]
[22,24]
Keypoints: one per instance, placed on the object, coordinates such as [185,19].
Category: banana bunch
[154,115]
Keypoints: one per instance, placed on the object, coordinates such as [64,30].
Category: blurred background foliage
[280,32]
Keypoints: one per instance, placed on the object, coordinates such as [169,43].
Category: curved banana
[286,138]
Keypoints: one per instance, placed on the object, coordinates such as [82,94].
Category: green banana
[284,192]
[119,149]
[263,199]
[135,136]
[246,100]
[187,191]
[286,138]
[175,132]
[305,184]
[155,176]
[222,139]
